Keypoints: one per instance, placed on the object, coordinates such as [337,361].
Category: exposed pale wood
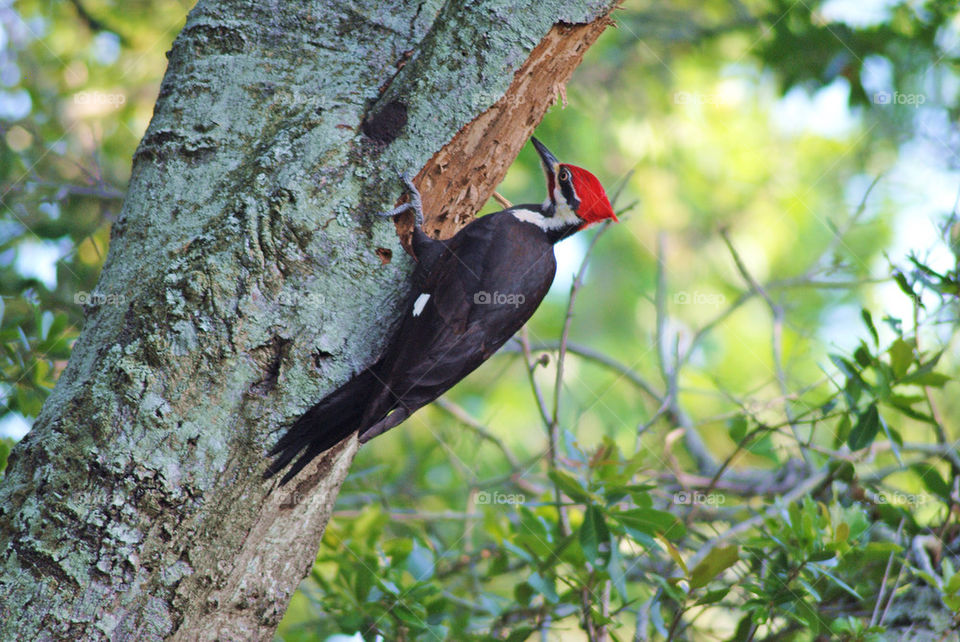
[462,176]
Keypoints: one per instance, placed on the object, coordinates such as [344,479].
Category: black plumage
[483,284]
[470,294]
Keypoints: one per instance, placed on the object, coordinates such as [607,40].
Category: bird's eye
[564,174]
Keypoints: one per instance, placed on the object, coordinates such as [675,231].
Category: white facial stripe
[564,217]
[558,190]
[420,304]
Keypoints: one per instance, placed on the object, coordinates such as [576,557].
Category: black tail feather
[325,425]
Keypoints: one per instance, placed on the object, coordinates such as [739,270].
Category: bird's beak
[549,161]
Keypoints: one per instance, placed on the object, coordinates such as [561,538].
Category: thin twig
[565,333]
[500,199]
[776,311]
[799,491]
[461,415]
[524,339]
[893,591]
[605,360]
[883,582]
[670,371]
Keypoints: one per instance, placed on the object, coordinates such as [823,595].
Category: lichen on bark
[251,280]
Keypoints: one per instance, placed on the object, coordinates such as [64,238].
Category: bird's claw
[415,203]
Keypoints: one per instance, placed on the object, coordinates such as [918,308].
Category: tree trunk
[244,281]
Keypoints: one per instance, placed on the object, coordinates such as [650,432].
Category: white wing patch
[420,304]
[564,217]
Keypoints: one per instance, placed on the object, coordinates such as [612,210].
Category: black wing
[487,283]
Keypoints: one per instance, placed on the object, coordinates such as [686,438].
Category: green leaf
[616,570]
[398,549]
[593,534]
[812,592]
[673,553]
[569,485]
[421,563]
[365,580]
[651,521]
[842,430]
[5,445]
[905,287]
[903,403]
[718,560]
[737,427]
[934,379]
[764,447]
[880,550]
[23,339]
[544,586]
[952,601]
[793,510]
[868,321]
[848,369]
[535,544]
[520,634]
[868,425]
[863,356]
[842,532]
[952,585]
[412,617]
[918,376]
[932,480]
[846,587]
[901,356]
[522,593]
[821,555]
[713,596]
[45,323]
[808,615]
[852,391]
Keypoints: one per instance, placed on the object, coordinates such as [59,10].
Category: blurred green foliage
[754,434]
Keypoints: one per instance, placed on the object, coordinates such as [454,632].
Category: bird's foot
[415,203]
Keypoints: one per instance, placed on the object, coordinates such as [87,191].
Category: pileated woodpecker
[471,293]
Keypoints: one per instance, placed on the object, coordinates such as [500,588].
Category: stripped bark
[249,281]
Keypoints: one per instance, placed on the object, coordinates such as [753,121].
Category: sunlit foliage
[754,431]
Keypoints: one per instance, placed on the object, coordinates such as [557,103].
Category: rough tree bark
[252,281]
